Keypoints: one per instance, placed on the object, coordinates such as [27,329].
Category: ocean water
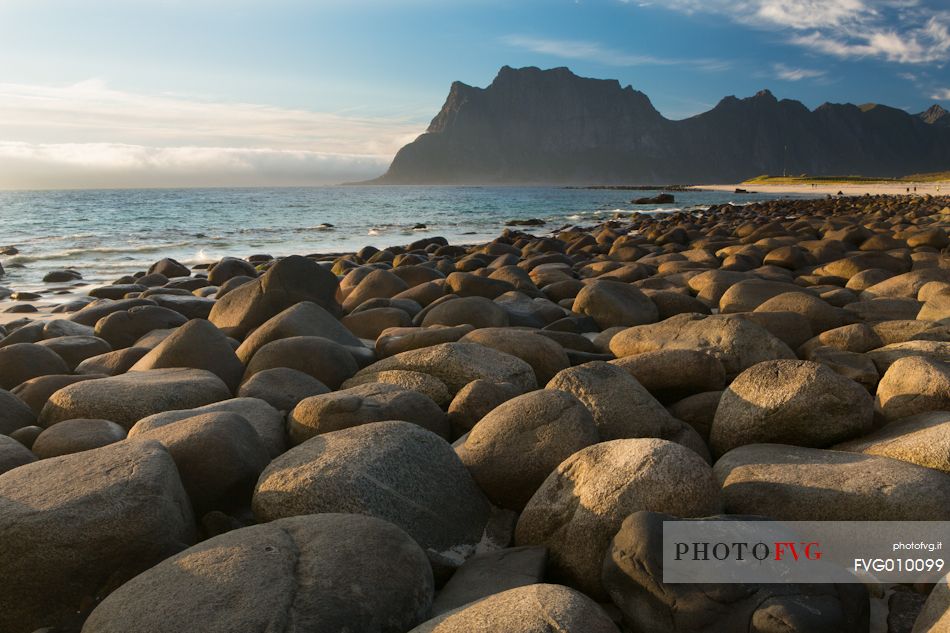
[105,234]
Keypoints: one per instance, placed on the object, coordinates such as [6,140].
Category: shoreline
[849,189]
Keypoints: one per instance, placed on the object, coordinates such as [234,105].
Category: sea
[104,234]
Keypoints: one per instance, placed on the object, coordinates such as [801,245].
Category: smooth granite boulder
[474,401]
[736,342]
[371,402]
[93,520]
[580,506]
[75,436]
[22,361]
[13,454]
[457,364]
[621,407]
[127,398]
[793,483]
[301,319]
[122,329]
[540,608]
[544,355]
[322,573]
[328,362]
[512,450]
[793,402]
[198,345]
[265,419]
[396,471]
[613,303]
[282,387]
[911,385]
[672,374]
[289,281]
[922,439]
[486,574]
[219,457]
[426,384]
[633,576]
[76,349]
[14,413]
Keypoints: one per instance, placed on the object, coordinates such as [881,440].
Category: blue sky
[217,92]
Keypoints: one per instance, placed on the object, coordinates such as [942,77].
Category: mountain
[551,126]
[935,115]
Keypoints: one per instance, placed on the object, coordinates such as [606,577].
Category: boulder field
[481,438]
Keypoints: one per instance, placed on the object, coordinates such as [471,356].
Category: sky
[167,93]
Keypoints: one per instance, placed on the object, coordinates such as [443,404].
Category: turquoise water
[108,233]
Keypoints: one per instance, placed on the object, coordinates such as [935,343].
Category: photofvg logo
[747,550]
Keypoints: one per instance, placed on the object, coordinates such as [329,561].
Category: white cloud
[87,132]
[941,95]
[787,73]
[600,54]
[900,31]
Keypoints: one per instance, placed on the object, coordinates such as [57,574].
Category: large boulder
[633,576]
[911,385]
[122,329]
[581,505]
[621,407]
[396,471]
[489,573]
[426,384]
[884,357]
[13,454]
[378,283]
[282,387]
[790,402]
[112,363]
[934,617]
[457,364]
[478,312]
[371,402]
[749,294]
[75,436]
[14,413]
[793,483]
[922,439]
[76,349]
[22,361]
[821,315]
[673,374]
[77,527]
[219,457]
[474,401]
[328,362]
[228,268]
[737,343]
[128,398]
[321,573]
[289,281]
[613,303]
[199,345]
[513,449]
[265,419]
[301,319]
[544,355]
[402,339]
[36,391]
[539,608]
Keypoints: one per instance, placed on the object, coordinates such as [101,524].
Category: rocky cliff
[551,126]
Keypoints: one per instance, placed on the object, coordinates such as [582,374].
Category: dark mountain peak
[533,125]
[935,115]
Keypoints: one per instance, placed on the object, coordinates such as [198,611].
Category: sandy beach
[874,189]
